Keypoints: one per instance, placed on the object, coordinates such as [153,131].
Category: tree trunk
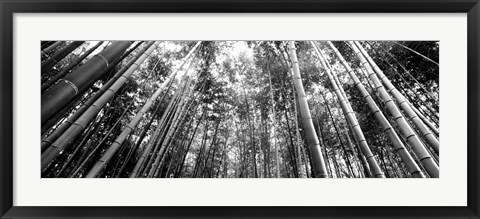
[177,174]
[323,146]
[76,82]
[421,55]
[70,66]
[317,157]
[59,55]
[62,128]
[297,150]
[97,147]
[351,118]
[429,137]
[252,136]
[118,142]
[397,143]
[65,140]
[349,166]
[421,152]
[275,146]
[52,47]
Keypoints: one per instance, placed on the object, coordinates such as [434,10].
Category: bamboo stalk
[317,157]
[402,102]
[70,66]
[62,128]
[59,55]
[397,144]
[413,139]
[76,82]
[52,47]
[126,131]
[421,55]
[351,118]
[65,140]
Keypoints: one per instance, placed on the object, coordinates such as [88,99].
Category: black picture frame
[9,7]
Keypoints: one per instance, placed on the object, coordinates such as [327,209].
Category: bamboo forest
[239,109]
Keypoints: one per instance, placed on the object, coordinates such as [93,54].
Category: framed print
[259,109]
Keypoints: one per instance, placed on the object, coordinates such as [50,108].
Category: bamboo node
[427,157]
[404,101]
[386,129]
[387,101]
[390,90]
[75,88]
[46,140]
[428,133]
[78,124]
[410,136]
[398,117]
[103,58]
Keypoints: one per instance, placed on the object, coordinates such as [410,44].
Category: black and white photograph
[240,109]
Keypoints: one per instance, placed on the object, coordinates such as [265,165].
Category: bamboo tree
[411,136]
[71,119]
[172,117]
[425,120]
[138,142]
[359,158]
[70,66]
[334,124]
[418,101]
[424,131]
[351,118]
[97,147]
[45,44]
[59,55]
[397,144]
[177,174]
[265,145]
[292,144]
[178,116]
[317,157]
[421,55]
[301,172]
[323,146]
[118,142]
[428,95]
[76,82]
[425,110]
[61,116]
[212,145]
[144,164]
[275,146]
[202,149]
[93,128]
[52,47]
[141,163]
[65,140]
[252,137]
[145,130]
